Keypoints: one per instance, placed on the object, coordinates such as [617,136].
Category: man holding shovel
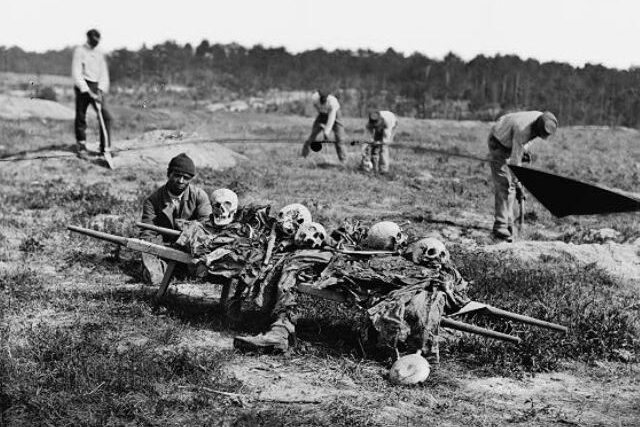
[91,81]
[509,141]
[328,120]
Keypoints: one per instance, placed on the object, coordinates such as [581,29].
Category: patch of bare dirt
[621,261]
[206,340]
[271,380]
[562,396]
[18,108]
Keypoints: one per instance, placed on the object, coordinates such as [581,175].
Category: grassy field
[81,344]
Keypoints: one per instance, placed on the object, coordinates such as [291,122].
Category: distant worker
[170,206]
[382,127]
[91,81]
[509,141]
[327,120]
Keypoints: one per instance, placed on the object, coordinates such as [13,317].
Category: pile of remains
[405,294]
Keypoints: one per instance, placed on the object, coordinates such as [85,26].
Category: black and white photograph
[320,213]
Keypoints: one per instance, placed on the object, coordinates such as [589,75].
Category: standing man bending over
[509,140]
[170,206]
[382,127]
[327,120]
[91,81]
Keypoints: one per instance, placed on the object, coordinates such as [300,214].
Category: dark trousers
[338,132]
[83,100]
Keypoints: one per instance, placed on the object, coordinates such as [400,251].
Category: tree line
[411,85]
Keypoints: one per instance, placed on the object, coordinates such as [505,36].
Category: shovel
[107,138]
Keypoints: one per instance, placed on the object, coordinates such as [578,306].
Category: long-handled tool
[107,138]
[520,197]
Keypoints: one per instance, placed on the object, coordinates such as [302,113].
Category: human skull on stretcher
[224,204]
[291,217]
[429,252]
[310,235]
[405,294]
[384,235]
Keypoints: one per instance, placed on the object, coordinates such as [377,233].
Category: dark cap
[375,119]
[183,164]
[93,33]
[547,124]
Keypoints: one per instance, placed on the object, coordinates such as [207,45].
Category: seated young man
[170,206]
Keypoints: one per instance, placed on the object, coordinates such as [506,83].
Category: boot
[503,233]
[275,340]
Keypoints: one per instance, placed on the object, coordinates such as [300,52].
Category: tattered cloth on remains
[404,301]
[235,250]
[238,250]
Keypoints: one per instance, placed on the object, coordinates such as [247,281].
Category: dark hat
[183,164]
[375,119]
[93,33]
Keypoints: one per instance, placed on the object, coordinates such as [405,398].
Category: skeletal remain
[429,252]
[224,203]
[384,235]
[410,369]
[310,235]
[291,217]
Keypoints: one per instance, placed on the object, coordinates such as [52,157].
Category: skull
[429,252]
[291,217]
[310,235]
[410,369]
[384,235]
[225,204]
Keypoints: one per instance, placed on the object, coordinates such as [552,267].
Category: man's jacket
[158,209]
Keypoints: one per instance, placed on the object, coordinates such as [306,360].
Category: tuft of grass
[602,317]
[16,286]
[84,200]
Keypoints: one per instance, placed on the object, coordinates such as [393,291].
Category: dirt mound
[153,150]
[157,148]
[15,108]
[620,261]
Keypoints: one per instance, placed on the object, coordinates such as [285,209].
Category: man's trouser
[83,100]
[338,131]
[154,267]
[375,157]
[504,185]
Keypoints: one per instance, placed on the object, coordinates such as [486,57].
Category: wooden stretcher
[173,256]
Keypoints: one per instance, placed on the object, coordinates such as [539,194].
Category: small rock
[602,235]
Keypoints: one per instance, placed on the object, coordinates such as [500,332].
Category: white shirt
[89,64]
[390,122]
[329,107]
[514,131]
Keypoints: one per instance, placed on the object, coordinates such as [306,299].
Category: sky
[574,31]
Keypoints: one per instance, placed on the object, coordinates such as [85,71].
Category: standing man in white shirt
[327,120]
[509,139]
[91,81]
[382,127]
